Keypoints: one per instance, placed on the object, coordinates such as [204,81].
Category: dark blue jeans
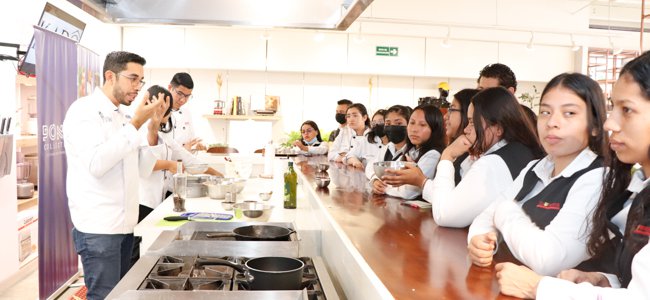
[105,259]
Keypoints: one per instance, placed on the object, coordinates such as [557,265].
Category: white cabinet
[362,56]
[299,51]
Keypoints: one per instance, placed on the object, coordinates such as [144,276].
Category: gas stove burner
[184,284]
[219,236]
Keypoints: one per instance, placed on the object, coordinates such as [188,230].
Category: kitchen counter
[374,247]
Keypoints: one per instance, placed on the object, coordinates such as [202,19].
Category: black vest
[516,156]
[457,163]
[543,207]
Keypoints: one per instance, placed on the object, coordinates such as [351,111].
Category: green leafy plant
[291,137]
[529,99]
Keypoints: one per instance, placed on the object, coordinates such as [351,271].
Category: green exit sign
[386,51]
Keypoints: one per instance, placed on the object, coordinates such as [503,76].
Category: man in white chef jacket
[104,158]
[182,132]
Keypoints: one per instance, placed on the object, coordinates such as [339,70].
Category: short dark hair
[371,135]
[182,79]
[154,90]
[502,73]
[344,102]
[497,106]
[116,61]
[464,97]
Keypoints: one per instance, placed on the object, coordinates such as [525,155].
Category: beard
[120,95]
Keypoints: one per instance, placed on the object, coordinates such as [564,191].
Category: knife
[2,127]
[8,124]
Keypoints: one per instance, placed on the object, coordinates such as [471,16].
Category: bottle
[290,187]
[180,187]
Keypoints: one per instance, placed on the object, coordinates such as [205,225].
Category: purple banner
[56,78]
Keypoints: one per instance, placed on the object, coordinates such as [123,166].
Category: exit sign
[386,51]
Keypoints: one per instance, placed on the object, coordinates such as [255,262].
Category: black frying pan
[256,233]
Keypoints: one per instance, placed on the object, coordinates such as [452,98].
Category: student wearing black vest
[395,121]
[621,222]
[424,137]
[456,121]
[543,216]
[500,142]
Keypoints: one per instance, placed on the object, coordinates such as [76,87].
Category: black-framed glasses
[135,81]
[182,95]
[451,109]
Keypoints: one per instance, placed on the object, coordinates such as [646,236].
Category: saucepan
[256,233]
[265,273]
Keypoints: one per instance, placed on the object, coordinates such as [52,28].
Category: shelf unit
[604,66]
[28,203]
[26,141]
[245,117]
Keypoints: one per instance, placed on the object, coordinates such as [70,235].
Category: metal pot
[256,233]
[196,190]
[217,187]
[266,273]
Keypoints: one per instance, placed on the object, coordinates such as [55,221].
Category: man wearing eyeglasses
[181,87]
[104,158]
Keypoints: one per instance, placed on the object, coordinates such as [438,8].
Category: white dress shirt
[319,149]
[483,179]
[553,288]
[427,163]
[183,130]
[563,243]
[104,161]
[366,151]
[153,184]
[343,143]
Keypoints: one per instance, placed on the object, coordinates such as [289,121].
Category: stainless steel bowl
[196,190]
[381,166]
[227,205]
[322,182]
[265,196]
[239,183]
[253,209]
[217,187]
[196,168]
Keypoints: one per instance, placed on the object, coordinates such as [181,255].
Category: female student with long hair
[358,125]
[395,121]
[621,221]
[425,142]
[456,121]
[374,142]
[311,142]
[500,142]
[543,216]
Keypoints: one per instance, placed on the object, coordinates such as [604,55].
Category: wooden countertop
[412,256]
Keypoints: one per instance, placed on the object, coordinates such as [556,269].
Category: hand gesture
[147,108]
[378,187]
[481,248]
[408,175]
[194,144]
[457,148]
[159,112]
[595,278]
[517,281]
[298,143]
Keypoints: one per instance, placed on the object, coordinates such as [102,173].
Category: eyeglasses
[307,131]
[134,80]
[182,96]
[453,110]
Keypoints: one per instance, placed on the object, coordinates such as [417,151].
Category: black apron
[544,207]
[457,163]
[516,156]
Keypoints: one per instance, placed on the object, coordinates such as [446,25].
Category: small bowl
[239,183]
[322,167]
[381,166]
[265,196]
[253,209]
[227,205]
[196,168]
[322,182]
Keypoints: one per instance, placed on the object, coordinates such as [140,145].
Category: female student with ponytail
[543,216]
[621,222]
[374,142]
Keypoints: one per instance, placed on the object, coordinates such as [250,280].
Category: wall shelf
[28,203]
[26,141]
[237,117]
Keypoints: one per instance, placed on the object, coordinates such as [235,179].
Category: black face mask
[396,134]
[340,118]
[379,130]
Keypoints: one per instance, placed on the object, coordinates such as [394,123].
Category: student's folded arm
[562,244]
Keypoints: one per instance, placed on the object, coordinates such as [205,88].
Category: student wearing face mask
[500,141]
[375,140]
[424,137]
[341,108]
[395,122]
[311,142]
[358,125]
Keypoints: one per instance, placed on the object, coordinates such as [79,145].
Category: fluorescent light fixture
[445,43]
[530,46]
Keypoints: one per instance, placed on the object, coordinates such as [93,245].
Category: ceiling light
[319,37]
[445,43]
[530,46]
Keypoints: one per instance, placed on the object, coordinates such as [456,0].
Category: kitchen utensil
[322,167]
[322,182]
[217,187]
[8,125]
[196,168]
[24,188]
[265,196]
[256,233]
[265,273]
[2,127]
[252,209]
[381,166]
[196,190]
[199,217]
[227,205]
